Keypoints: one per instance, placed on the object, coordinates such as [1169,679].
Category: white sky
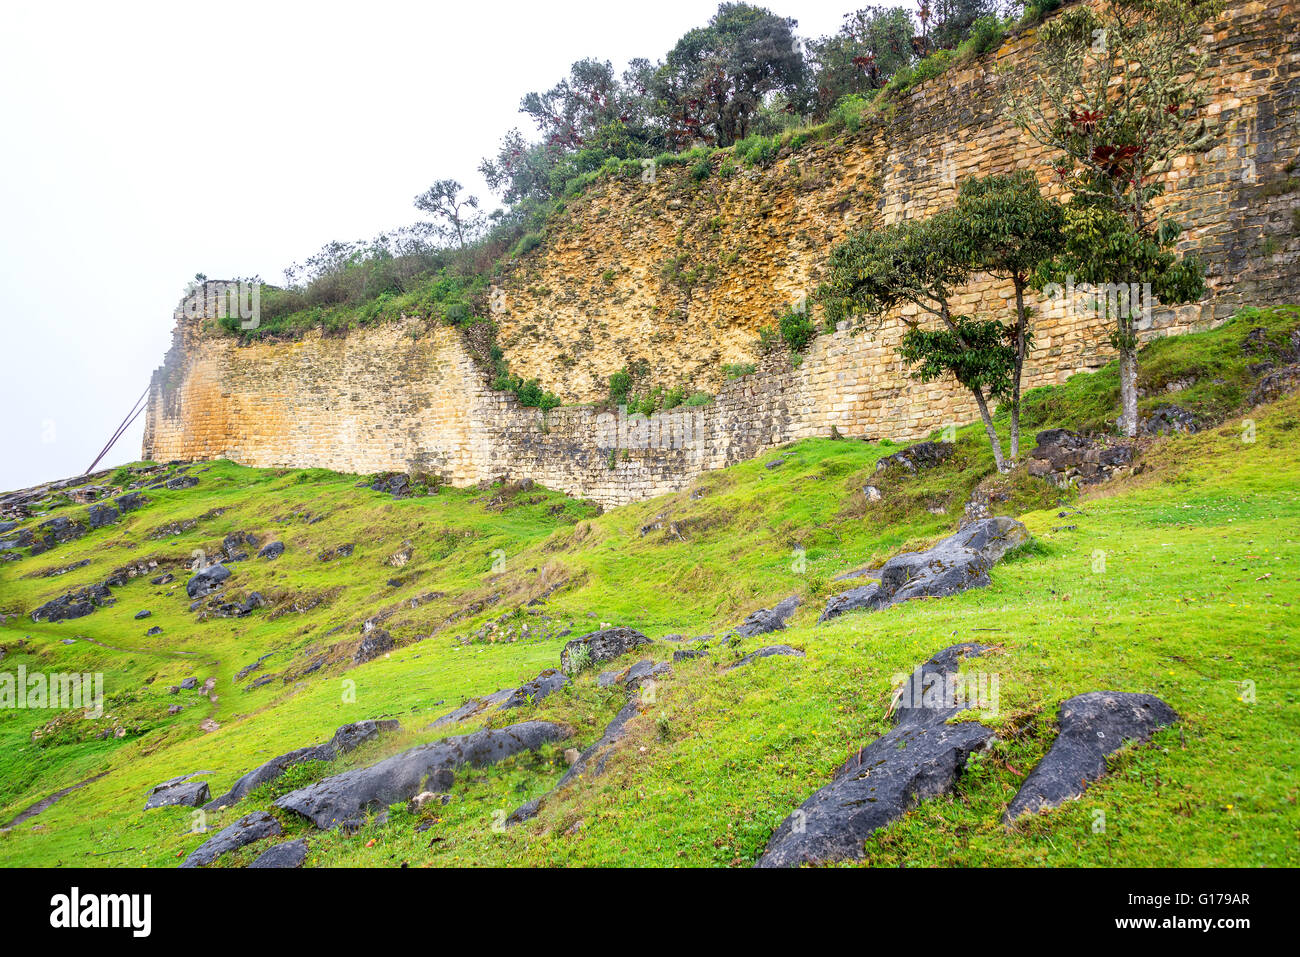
[141,143]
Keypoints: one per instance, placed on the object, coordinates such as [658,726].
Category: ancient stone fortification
[681,273]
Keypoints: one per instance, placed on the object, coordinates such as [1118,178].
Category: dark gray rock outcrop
[1067,458]
[344,799]
[374,643]
[600,646]
[920,758]
[97,516]
[249,828]
[767,652]
[1092,725]
[345,739]
[548,682]
[922,455]
[206,581]
[271,550]
[590,763]
[179,791]
[767,620]
[288,854]
[959,562]
[74,604]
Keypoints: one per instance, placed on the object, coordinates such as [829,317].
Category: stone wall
[681,273]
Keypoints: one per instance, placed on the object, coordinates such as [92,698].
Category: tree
[1117,92]
[1009,230]
[713,81]
[871,45]
[945,23]
[453,216]
[920,262]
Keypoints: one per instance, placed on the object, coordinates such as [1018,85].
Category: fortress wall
[681,274]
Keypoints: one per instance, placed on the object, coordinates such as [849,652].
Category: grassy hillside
[1197,598]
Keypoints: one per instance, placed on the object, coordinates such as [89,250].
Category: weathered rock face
[345,739]
[922,455]
[696,268]
[249,828]
[1093,725]
[920,758]
[957,563]
[1169,420]
[345,798]
[374,643]
[1067,458]
[598,646]
[1275,385]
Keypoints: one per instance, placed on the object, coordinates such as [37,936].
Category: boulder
[343,799]
[179,791]
[345,739]
[1067,458]
[767,620]
[600,646]
[641,672]
[271,550]
[959,562]
[1092,726]
[206,581]
[920,758]
[475,706]
[249,828]
[1275,385]
[288,854]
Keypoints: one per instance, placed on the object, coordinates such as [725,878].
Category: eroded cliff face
[682,272]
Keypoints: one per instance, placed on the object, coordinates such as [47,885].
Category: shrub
[527,243]
[797,329]
[620,384]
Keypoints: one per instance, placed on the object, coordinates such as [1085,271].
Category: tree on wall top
[1116,92]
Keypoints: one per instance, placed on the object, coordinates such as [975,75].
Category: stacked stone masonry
[680,274]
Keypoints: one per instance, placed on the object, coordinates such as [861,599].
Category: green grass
[1198,596]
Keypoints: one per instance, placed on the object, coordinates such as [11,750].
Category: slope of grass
[1177,580]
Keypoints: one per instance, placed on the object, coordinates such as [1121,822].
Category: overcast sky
[145,142]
